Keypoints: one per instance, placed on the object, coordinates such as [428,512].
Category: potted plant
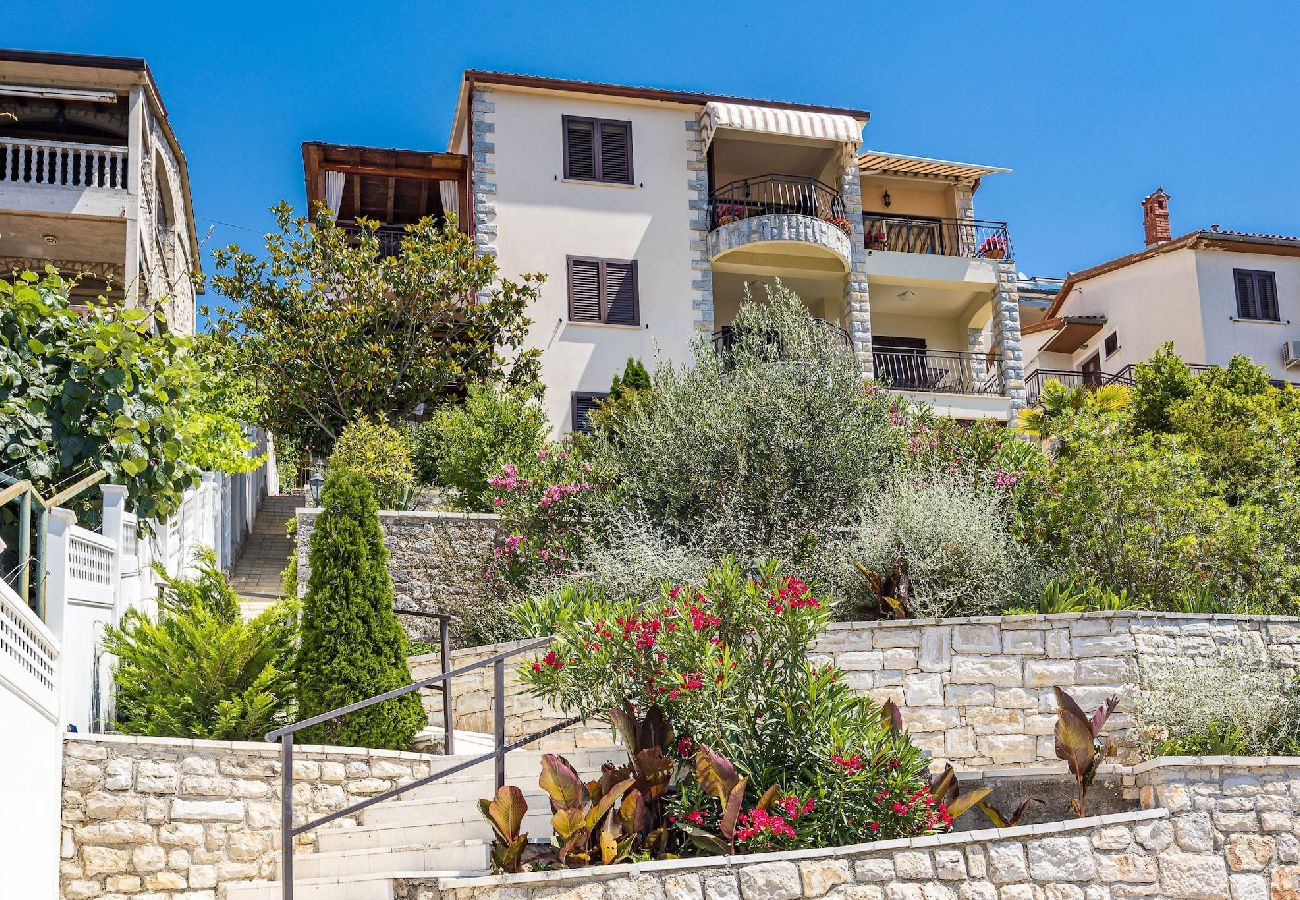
[726,213]
[994,247]
[842,223]
[878,240]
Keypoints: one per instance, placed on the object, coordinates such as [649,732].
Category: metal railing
[972,238]
[772,194]
[1038,379]
[289,831]
[62,164]
[938,371]
[389,237]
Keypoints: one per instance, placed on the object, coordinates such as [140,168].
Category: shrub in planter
[352,645]
[380,453]
[727,662]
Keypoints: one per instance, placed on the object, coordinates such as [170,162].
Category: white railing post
[111,526]
[56,569]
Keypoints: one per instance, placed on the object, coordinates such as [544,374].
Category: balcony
[389,237]
[727,337]
[780,208]
[938,371]
[967,238]
[61,164]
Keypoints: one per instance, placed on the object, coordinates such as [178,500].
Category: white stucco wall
[1226,335]
[541,218]
[1148,303]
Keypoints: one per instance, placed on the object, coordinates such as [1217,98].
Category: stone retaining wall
[163,814]
[472,700]
[1223,828]
[974,691]
[436,560]
[978,691]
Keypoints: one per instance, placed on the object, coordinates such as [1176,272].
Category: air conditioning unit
[1291,354]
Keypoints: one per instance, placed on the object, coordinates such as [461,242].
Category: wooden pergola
[393,187]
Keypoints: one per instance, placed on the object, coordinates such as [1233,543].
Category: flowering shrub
[539,502]
[994,247]
[727,662]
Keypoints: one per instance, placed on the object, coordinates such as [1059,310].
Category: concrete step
[360,887]
[522,769]
[446,809]
[469,854]
[364,838]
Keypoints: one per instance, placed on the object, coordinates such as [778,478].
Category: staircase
[435,830]
[256,576]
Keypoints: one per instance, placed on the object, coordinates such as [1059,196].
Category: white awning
[769,120]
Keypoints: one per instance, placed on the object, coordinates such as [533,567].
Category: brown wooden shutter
[584,289]
[1247,306]
[616,152]
[580,148]
[620,293]
[1266,296]
[584,404]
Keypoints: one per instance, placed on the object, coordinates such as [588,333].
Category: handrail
[288,831]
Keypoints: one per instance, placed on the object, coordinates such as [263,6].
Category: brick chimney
[1155,217]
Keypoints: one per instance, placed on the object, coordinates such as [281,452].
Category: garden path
[256,576]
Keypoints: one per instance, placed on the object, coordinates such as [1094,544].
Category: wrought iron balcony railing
[971,238]
[726,337]
[774,194]
[938,371]
[27,161]
[389,237]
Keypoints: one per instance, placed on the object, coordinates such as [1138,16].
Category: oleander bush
[198,670]
[726,662]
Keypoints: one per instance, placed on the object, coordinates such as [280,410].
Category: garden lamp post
[316,481]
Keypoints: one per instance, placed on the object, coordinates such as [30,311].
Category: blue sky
[1092,105]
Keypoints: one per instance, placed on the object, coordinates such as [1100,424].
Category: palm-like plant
[1058,403]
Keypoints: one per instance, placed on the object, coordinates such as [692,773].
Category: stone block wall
[473,702]
[436,560]
[176,818]
[978,691]
[1218,829]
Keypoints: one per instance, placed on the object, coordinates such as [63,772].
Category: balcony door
[900,362]
[1091,369]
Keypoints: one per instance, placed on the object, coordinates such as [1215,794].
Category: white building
[650,211]
[93,181]
[1213,293]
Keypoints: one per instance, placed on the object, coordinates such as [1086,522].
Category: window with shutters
[603,290]
[584,404]
[1112,343]
[1256,294]
[597,150]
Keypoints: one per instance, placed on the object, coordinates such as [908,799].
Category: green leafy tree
[626,392]
[382,455]
[472,441]
[199,670]
[352,646]
[97,387]
[329,329]
[1158,384]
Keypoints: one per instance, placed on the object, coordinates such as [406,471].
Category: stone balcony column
[1006,334]
[857,303]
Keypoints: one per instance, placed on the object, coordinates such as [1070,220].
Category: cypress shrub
[352,646]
